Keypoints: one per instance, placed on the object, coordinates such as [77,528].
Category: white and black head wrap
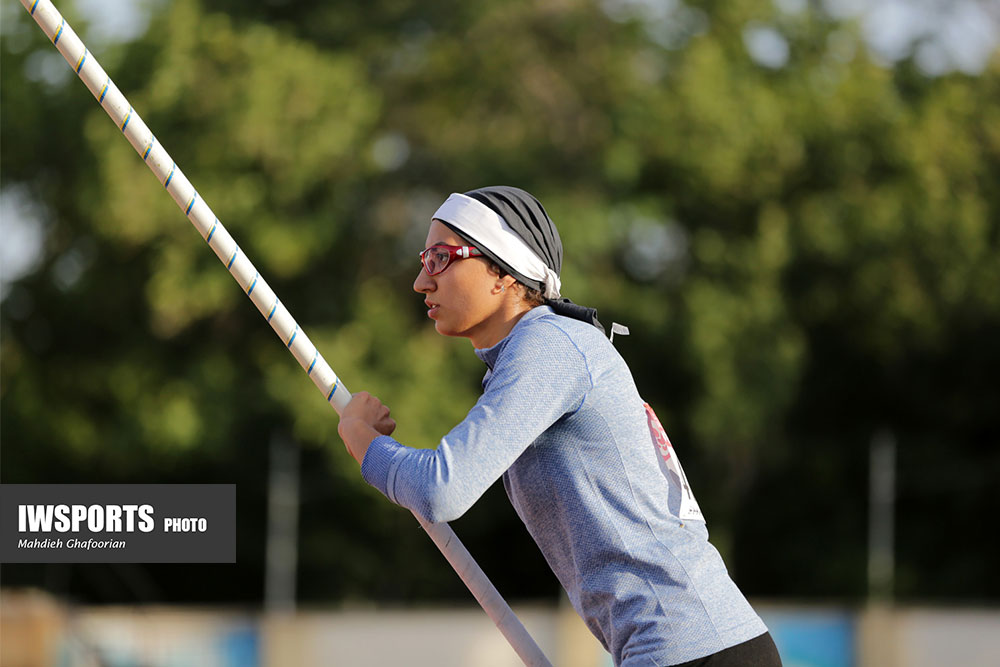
[512,228]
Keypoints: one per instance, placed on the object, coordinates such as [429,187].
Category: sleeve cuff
[377,467]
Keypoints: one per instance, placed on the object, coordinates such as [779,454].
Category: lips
[432,308]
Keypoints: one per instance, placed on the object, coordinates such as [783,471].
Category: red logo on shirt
[659,435]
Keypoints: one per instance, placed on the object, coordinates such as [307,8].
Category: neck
[499,325]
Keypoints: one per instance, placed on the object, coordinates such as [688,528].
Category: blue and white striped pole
[250,281]
[194,207]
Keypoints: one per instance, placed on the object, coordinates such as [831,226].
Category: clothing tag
[619,329]
[671,468]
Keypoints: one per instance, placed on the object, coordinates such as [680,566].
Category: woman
[583,459]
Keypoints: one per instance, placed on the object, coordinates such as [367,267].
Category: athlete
[583,459]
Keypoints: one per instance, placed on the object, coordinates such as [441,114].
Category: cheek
[464,304]
[459,308]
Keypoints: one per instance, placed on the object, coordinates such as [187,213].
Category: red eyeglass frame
[455,252]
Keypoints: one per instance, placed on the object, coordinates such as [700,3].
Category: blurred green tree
[803,241]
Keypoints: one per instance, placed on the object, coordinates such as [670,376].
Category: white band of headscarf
[492,232]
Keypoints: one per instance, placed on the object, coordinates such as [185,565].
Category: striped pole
[260,293]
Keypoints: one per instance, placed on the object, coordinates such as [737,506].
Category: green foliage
[805,254]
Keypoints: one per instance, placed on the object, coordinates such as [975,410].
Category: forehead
[440,233]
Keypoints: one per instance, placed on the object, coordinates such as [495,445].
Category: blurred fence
[38,630]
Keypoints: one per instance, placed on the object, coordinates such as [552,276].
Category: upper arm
[540,376]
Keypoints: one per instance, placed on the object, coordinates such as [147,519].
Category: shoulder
[542,333]
[542,356]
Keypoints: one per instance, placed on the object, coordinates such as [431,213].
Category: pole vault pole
[253,284]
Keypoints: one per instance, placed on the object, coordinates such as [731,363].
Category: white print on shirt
[671,468]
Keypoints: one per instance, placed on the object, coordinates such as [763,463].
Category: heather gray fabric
[561,421]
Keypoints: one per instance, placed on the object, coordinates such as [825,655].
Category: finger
[386,426]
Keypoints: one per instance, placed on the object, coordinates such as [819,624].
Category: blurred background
[792,204]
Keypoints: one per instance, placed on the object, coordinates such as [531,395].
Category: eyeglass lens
[435,260]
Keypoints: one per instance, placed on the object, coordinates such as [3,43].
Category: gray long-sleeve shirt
[561,420]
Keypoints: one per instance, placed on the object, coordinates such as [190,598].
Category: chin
[445,330]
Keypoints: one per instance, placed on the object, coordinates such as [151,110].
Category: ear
[503,283]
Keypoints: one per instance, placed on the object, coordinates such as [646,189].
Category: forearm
[357,436]
[543,377]
[424,481]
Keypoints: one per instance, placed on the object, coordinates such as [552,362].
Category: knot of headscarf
[512,228]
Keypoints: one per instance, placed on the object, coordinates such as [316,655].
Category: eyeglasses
[437,258]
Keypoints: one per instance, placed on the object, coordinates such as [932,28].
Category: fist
[371,411]
[363,419]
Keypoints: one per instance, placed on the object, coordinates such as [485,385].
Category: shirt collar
[489,355]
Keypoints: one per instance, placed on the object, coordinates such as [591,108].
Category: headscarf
[512,228]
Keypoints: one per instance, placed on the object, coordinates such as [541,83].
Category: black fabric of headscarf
[528,219]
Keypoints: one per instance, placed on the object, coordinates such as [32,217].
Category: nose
[424,283]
